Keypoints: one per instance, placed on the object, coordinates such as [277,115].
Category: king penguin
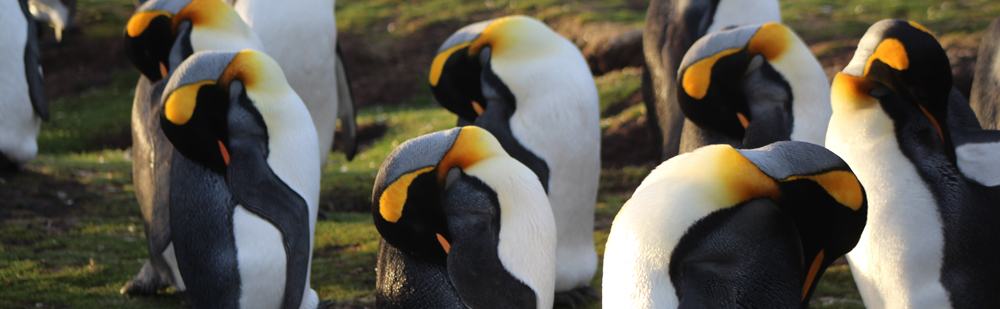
[463,225]
[985,99]
[302,37]
[243,207]
[158,37]
[751,86]
[532,90]
[725,228]
[930,238]
[24,106]
[672,26]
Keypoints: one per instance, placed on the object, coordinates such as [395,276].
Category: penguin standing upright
[24,106]
[532,89]
[751,86]
[672,26]
[302,37]
[726,228]
[985,98]
[160,35]
[463,225]
[933,185]
[243,207]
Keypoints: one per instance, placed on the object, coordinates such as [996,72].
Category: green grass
[817,20]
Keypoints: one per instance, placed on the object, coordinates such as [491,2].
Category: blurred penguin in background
[23,105]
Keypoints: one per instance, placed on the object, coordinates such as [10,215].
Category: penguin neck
[810,90]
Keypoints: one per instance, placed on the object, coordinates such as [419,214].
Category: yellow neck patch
[843,186]
[181,103]
[390,204]
[851,92]
[741,179]
[257,71]
[207,13]
[473,144]
[698,76]
[771,40]
[140,21]
[496,35]
[438,65]
[891,52]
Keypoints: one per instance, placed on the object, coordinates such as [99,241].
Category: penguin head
[215,99]
[821,194]
[745,82]
[162,33]
[902,67]
[457,199]
[462,77]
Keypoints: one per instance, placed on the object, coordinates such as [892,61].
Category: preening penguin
[463,225]
[752,86]
[725,228]
[672,26]
[24,106]
[985,98]
[160,35]
[930,238]
[243,208]
[302,37]
[532,89]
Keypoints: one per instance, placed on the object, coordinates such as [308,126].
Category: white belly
[897,262]
[261,258]
[18,123]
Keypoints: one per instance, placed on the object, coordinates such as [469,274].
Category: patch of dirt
[80,63]
[627,143]
[27,194]
[391,71]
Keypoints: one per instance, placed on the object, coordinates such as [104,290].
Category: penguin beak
[148,37]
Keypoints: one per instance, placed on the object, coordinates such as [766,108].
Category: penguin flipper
[960,114]
[147,282]
[976,153]
[345,109]
[33,71]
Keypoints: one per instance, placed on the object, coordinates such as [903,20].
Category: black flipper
[33,71]
[345,108]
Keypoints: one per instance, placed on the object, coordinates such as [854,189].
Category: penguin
[24,105]
[463,225]
[243,206]
[929,239]
[725,228]
[61,14]
[302,37]
[672,26]
[985,97]
[155,49]
[533,91]
[751,86]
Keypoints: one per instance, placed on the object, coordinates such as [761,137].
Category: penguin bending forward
[985,98]
[302,36]
[463,225]
[24,106]
[158,37]
[533,91]
[243,207]
[726,228]
[935,200]
[751,86]
[672,26]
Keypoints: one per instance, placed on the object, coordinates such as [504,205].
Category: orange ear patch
[843,186]
[140,21]
[390,204]
[698,76]
[891,52]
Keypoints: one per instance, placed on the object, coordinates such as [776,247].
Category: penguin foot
[577,296]
[324,304]
[147,282]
